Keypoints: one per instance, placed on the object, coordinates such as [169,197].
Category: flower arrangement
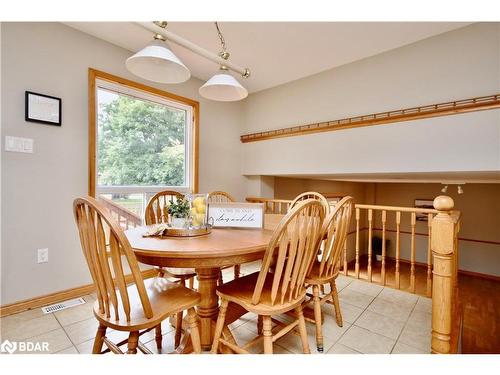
[179,208]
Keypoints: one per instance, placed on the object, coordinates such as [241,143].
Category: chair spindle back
[220,197]
[95,225]
[334,234]
[311,195]
[294,245]
[157,209]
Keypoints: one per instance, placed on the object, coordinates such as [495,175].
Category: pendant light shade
[156,62]
[223,87]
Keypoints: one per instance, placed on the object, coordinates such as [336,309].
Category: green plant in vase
[179,212]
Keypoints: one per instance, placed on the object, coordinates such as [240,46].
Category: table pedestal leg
[209,306]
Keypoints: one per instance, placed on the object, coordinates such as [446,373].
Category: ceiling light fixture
[156,62]
[460,190]
[443,190]
[222,86]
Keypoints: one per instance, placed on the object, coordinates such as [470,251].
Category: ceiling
[276,52]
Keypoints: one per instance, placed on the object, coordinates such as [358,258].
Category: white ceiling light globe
[223,87]
[157,63]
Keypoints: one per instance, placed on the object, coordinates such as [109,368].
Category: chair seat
[240,291]
[313,278]
[165,298]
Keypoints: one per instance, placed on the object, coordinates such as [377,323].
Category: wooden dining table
[207,255]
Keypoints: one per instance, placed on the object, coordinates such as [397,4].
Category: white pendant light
[223,87]
[156,62]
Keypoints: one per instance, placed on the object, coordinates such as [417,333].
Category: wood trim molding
[62,295]
[400,115]
[94,74]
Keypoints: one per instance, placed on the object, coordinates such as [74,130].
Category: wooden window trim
[94,75]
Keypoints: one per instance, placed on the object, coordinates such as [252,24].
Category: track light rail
[170,36]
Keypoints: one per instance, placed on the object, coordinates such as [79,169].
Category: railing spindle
[356,267]
[398,248]
[382,271]
[429,256]
[370,225]
[412,255]
[345,257]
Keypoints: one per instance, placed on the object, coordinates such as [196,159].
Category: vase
[178,222]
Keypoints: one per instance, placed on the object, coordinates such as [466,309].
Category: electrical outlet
[43,255]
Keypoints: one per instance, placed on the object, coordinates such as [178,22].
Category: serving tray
[164,231]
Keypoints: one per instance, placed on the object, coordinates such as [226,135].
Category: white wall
[456,65]
[38,189]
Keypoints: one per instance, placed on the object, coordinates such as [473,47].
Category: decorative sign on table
[42,108]
[240,215]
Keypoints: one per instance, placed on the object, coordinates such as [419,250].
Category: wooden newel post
[442,244]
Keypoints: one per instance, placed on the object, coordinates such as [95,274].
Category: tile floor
[376,320]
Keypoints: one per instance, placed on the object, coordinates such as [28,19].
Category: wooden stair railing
[125,217]
[446,311]
[371,213]
[281,206]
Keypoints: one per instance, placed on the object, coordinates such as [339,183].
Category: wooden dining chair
[326,269]
[138,308]
[157,212]
[311,195]
[220,197]
[294,244]
[317,196]
[223,197]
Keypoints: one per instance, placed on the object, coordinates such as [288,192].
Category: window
[142,140]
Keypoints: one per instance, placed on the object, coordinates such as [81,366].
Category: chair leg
[220,325]
[220,281]
[161,273]
[302,330]
[336,304]
[193,328]
[98,341]
[158,336]
[178,329]
[259,324]
[317,318]
[133,341]
[236,271]
[267,326]
[191,283]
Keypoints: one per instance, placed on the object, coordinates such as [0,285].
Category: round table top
[222,247]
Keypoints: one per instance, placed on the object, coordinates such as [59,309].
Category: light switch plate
[17,144]
[42,255]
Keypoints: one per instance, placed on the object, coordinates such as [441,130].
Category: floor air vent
[63,305]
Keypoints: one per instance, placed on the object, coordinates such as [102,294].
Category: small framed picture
[43,109]
[423,203]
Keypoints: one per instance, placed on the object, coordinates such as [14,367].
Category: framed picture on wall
[423,203]
[43,109]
